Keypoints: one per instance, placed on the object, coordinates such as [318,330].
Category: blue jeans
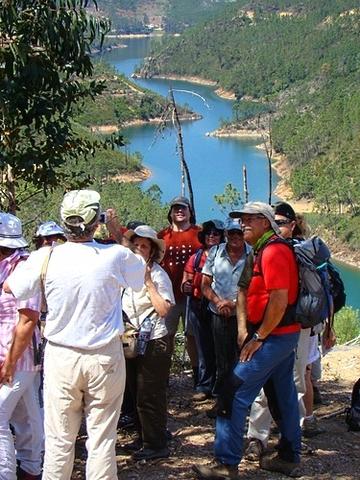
[272,365]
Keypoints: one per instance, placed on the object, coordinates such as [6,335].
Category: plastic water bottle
[144,336]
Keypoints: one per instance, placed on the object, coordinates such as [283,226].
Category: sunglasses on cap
[281,223]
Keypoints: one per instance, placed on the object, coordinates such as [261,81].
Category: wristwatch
[256,337]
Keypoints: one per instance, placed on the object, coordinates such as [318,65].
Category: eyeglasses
[234,232]
[215,233]
[251,218]
[281,223]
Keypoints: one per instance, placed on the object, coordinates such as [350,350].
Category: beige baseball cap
[80,203]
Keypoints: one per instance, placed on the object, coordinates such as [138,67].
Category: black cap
[284,209]
[185,202]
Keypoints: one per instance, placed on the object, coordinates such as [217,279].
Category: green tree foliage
[121,101]
[229,200]
[44,65]
[347,325]
[181,14]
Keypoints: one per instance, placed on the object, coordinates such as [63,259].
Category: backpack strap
[197,260]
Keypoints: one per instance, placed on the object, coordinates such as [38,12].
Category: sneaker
[216,471]
[200,396]
[151,454]
[311,428]
[254,450]
[276,464]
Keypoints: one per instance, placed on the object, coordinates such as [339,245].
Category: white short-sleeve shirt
[138,306]
[83,290]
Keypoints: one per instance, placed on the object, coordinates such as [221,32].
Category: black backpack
[337,287]
[353,413]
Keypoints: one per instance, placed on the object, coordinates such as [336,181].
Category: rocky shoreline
[220,92]
[109,129]
[134,177]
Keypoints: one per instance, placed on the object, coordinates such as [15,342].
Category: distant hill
[145,16]
[134,16]
[299,60]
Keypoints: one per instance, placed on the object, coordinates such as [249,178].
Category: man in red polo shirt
[181,240]
[269,335]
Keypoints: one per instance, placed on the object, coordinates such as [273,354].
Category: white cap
[258,208]
[49,228]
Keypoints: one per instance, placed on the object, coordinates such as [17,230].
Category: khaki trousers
[77,382]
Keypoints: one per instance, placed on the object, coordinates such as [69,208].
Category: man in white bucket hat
[84,366]
[19,398]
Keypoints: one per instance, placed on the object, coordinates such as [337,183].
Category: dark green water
[213,162]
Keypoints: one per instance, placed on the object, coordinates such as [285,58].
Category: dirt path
[336,454]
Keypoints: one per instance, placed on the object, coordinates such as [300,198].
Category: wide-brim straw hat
[147,232]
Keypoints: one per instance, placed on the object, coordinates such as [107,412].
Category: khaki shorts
[172,319]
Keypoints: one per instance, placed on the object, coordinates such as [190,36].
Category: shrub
[347,324]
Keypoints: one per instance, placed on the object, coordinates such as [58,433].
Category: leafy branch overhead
[45,70]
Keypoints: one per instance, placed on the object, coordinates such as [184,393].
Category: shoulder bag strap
[44,268]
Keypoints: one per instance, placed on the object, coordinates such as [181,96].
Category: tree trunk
[185,173]
[245,183]
[8,193]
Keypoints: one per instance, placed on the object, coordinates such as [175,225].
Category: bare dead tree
[266,136]
[245,184]
[183,164]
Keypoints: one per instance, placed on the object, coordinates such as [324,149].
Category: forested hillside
[300,61]
[173,16]
[181,14]
[121,102]
[134,16]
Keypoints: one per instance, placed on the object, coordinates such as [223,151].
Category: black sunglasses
[281,223]
[216,233]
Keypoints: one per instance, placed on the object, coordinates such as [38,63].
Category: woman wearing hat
[212,234]
[147,374]
[19,401]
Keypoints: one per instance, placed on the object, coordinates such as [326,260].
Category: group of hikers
[88,325]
